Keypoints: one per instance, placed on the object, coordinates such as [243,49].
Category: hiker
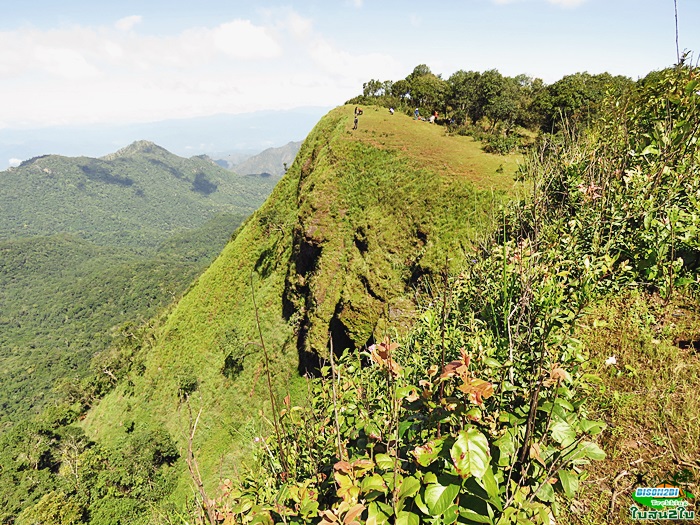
[355,123]
[415,114]
[391,110]
[357,110]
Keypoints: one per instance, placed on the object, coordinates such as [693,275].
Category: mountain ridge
[316,265]
[142,188]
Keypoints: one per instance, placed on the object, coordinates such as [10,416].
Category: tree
[462,96]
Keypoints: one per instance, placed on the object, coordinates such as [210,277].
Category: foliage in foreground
[478,417]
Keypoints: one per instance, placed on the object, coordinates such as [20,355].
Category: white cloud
[128,22]
[241,39]
[104,74]
[14,162]
[64,62]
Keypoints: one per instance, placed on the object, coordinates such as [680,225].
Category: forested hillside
[89,244]
[272,161]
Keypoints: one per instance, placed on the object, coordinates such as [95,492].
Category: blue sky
[73,62]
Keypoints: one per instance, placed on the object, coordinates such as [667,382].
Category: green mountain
[89,244]
[134,197]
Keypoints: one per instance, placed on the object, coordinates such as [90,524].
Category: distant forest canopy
[503,103]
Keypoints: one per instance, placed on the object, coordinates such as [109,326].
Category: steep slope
[346,241]
[133,197]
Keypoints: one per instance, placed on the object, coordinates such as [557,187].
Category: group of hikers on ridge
[416,116]
[433,117]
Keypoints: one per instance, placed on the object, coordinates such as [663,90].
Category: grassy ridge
[350,215]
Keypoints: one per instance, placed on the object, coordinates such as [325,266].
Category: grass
[650,400]
[429,146]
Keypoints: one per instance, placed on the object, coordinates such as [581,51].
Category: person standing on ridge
[354,126]
[415,114]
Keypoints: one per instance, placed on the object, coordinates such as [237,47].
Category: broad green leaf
[479,518]
[384,461]
[418,500]
[488,481]
[569,482]
[450,515]
[439,498]
[506,446]
[491,362]
[545,493]
[429,477]
[591,427]
[470,453]
[427,453]
[408,487]
[375,514]
[563,434]
[407,518]
[588,449]
[373,483]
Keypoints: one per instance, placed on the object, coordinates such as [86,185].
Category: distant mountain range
[216,135]
[134,197]
[272,161]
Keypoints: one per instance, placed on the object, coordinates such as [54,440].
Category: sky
[81,62]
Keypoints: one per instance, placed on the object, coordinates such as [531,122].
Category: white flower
[610,361]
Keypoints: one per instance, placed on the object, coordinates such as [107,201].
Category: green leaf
[476,517]
[418,500]
[408,487]
[427,453]
[439,498]
[384,461]
[650,149]
[569,482]
[491,362]
[506,446]
[591,427]
[545,493]
[407,518]
[470,453]
[373,483]
[376,515]
[450,515]
[563,434]
[488,481]
[588,449]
